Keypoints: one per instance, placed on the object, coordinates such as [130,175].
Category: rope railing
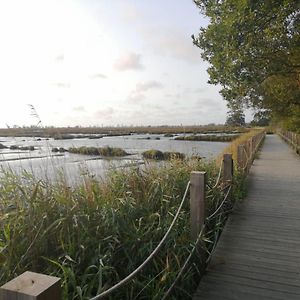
[186,263]
[149,258]
[158,247]
[219,177]
[221,205]
[195,246]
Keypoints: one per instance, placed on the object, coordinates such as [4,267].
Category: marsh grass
[69,132]
[101,151]
[208,138]
[95,234]
[233,146]
[159,155]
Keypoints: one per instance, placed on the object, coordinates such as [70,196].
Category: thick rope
[153,253]
[186,263]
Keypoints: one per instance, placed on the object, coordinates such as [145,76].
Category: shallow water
[45,164]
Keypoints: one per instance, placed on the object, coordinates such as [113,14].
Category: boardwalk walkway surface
[258,255]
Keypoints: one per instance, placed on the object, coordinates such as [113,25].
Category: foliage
[104,151]
[90,132]
[208,138]
[261,118]
[253,48]
[95,234]
[159,155]
[232,147]
[236,117]
[23,148]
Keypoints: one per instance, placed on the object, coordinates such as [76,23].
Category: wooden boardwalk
[258,255]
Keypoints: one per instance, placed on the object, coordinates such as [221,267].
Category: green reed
[94,234]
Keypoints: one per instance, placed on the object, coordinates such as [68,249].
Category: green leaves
[254,51]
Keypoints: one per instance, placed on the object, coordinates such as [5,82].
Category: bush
[105,151]
[159,155]
[208,138]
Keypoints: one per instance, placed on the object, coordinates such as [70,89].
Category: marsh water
[43,163]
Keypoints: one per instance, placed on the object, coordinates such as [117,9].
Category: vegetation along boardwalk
[258,255]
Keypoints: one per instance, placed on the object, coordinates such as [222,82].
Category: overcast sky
[104,62]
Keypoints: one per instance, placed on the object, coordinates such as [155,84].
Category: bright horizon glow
[103,63]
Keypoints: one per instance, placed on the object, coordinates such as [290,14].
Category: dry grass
[232,147]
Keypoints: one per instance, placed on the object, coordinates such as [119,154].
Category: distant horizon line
[113,126]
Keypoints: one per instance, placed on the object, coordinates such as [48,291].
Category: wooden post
[227,169]
[32,286]
[197,203]
[240,157]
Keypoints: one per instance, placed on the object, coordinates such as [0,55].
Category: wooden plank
[289,276]
[258,254]
[31,286]
[254,282]
[240,291]
[259,274]
[243,258]
[197,203]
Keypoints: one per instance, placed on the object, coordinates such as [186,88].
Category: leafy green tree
[253,48]
[261,118]
[235,117]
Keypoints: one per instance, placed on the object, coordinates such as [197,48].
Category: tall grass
[233,146]
[94,234]
[64,132]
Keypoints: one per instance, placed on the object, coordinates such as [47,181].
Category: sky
[104,62]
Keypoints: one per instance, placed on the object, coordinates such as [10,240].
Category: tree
[253,48]
[261,118]
[235,117]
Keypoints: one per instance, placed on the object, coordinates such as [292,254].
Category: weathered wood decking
[258,255]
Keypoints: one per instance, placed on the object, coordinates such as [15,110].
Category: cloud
[79,108]
[98,76]
[138,94]
[199,90]
[62,85]
[173,96]
[173,43]
[136,97]
[105,113]
[131,14]
[208,102]
[60,57]
[148,85]
[129,61]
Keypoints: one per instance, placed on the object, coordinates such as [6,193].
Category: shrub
[159,155]
[105,151]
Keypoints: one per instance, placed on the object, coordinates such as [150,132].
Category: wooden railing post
[240,157]
[31,286]
[197,203]
[227,169]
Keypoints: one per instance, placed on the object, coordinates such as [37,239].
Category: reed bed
[94,234]
[69,132]
[208,138]
[160,155]
[99,151]
[233,146]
